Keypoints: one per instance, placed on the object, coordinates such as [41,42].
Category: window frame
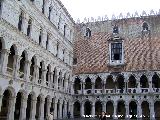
[121,60]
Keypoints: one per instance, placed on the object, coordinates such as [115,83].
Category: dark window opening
[50,9]
[20,22]
[32,0]
[74,61]
[145,26]
[115,29]
[57,49]
[40,36]
[63,54]
[64,30]
[116,51]
[88,32]
[43,6]
[59,23]
[47,41]
[29,27]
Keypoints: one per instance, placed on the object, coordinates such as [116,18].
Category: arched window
[145,26]
[50,10]
[88,32]
[64,30]
[20,21]
[59,22]
[57,49]
[47,41]
[29,27]
[43,6]
[63,54]
[40,36]
[115,30]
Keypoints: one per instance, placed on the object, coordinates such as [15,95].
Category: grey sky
[94,8]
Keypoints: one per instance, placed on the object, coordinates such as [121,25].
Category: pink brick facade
[141,49]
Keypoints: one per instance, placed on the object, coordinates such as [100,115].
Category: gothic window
[115,30]
[59,23]
[145,26]
[64,30]
[29,27]
[116,51]
[43,6]
[57,49]
[63,54]
[40,36]
[20,21]
[50,9]
[88,32]
[47,41]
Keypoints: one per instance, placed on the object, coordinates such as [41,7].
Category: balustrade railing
[144,90]
[109,90]
[132,90]
[9,71]
[98,91]
[87,91]
[156,89]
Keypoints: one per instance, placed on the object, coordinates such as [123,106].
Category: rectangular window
[116,51]
[64,30]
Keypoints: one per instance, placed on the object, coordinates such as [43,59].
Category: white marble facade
[35,71]
[36,42]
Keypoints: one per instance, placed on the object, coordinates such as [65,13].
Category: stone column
[115,110]
[44,71]
[65,111]
[50,79]
[71,109]
[16,65]
[93,88]
[23,109]
[104,106]
[48,106]
[72,87]
[27,70]
[42,109]
[11,108]
[82,109]
[93,109]
[4,60]
[33,109]
[139,86]
[81,88]
[55,109]
[127,110]
[104,87]
[25,24]
[35,74]
[139,110]
[60,110]
[150,85]
[152,112]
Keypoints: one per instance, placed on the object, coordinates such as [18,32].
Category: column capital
[5,51]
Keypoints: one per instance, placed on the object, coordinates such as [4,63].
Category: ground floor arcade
[119,109]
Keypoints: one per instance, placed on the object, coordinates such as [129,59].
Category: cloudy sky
[94,8]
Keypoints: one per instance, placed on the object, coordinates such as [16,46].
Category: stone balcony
[117,91]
